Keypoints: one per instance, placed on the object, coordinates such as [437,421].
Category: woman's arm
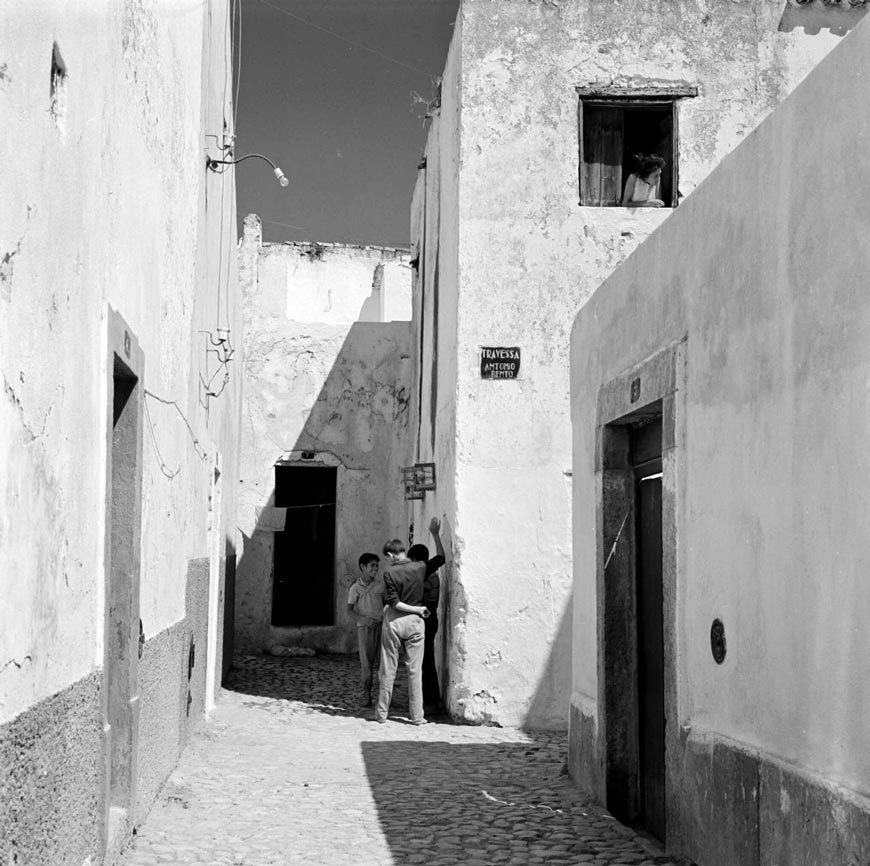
[629,191]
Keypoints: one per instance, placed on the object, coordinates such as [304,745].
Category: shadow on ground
[325,683]
[508,803]
[451,795]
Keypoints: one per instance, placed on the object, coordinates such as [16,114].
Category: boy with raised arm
[431,597]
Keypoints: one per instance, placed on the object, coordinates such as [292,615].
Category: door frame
[120,671]
[215,544]
[655,387]
[314,460]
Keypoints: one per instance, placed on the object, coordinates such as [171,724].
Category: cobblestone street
[289,771]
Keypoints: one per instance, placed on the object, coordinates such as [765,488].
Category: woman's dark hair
[647,163]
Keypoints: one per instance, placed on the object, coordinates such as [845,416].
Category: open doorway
[303,588]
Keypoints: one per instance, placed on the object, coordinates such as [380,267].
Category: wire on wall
[219,341]
[197,446]
[169,473]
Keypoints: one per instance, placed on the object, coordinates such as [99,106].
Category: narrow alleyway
[289,771]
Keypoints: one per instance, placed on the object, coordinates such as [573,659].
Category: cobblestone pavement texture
[288,770]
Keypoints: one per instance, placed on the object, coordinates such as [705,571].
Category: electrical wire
[200,451]
[276,223]
[169,473]
[345,39]
[238,55]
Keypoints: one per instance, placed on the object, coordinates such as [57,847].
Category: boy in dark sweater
[431,597]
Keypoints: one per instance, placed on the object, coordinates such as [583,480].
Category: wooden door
[602,155]
[650,649]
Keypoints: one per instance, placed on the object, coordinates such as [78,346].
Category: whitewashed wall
[772,473]
[527,257]
[327,370]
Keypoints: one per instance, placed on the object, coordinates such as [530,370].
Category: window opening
[615,126]
[304,553]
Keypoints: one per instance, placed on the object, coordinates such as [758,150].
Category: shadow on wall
[815,17]
[354,426]
[550,704]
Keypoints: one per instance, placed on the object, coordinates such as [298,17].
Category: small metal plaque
[718,644]
[499,362]
[425,476]
[635,391]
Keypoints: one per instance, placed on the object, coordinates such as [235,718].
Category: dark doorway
[229,623]
[646,459]
[304,553]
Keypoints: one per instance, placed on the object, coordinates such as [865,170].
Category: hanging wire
[238,53]
[169,473]
[345,39]
[200,451]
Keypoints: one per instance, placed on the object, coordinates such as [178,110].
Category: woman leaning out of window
[642,189]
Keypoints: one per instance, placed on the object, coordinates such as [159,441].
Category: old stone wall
[527,258]
[327,373]
[111,230]
[767,475]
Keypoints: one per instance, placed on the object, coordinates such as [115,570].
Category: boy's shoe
[379,720]
[419,722]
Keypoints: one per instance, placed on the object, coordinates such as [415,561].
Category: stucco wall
[106,203]
[528,257]
[435,235]
[326,372]
[763,272]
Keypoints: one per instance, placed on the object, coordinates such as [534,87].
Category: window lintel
[654,90]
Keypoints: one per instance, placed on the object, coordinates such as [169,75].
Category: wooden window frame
[625,98]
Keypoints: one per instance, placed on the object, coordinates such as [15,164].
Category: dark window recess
[304,553]
[611,133]
[58,82]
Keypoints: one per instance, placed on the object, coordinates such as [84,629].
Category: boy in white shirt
[365,603]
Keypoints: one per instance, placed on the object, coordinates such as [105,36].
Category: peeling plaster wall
[772,478]
[106,202]
[325,371]
[528,257]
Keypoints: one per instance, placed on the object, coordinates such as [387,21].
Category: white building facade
[119,317]
[515,223]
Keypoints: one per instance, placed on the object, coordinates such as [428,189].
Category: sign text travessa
[499,362]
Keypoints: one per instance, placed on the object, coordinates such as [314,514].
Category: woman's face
[653,177]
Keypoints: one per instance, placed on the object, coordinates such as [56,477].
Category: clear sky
[325,91]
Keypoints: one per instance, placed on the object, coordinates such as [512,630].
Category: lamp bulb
[281,178]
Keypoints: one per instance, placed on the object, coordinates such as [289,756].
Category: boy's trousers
[368,638]
[431,689]
[401,629]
